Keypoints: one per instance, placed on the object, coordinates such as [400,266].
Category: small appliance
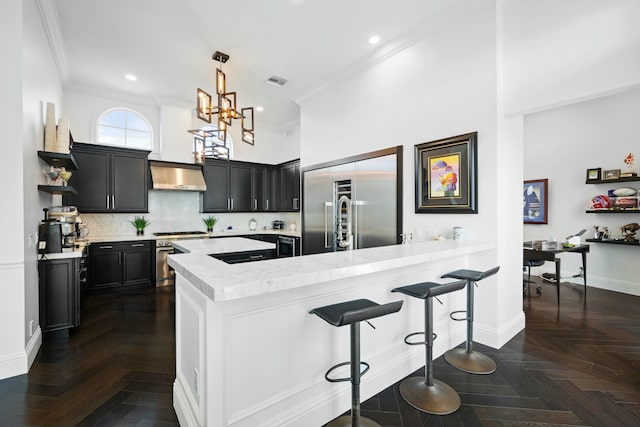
[277,224]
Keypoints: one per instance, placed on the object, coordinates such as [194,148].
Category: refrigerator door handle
[326,229]
[355,223]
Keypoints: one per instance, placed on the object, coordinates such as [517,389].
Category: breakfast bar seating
[466,359]
[352,313]
[429,395]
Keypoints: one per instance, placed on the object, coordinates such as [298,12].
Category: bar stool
[352,313]
[467,359]
[429,395]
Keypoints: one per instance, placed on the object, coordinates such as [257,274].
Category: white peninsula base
[249,353]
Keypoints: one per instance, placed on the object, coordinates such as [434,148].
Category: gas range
[164,238]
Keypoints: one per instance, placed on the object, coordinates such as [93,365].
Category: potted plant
[210,221]
[140,223]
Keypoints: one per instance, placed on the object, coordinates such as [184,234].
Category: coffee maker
[58,230]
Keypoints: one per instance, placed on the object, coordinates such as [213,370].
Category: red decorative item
[601,202]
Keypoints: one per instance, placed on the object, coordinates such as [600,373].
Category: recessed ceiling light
[374,39]
[259,108]
[131,77]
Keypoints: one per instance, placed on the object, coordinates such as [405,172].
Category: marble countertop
[222,282]
[221,246]
[76,253]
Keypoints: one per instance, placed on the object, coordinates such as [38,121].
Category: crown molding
[51,26]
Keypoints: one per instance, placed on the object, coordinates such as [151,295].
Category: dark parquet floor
[577,366]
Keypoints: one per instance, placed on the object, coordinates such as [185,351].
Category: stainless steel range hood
[176,176]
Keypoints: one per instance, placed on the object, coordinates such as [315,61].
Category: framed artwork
[534,201]
[594,174]
[446,175]
[611,174]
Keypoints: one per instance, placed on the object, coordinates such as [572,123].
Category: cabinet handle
[228,204]
[267,204]
[113,201]
[255,204]
[295,203]
[137,245]
[105,247]
[232,204]
[107,201]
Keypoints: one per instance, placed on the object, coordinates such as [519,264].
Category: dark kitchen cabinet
[240,187]
[266,181]
[290,186]
[109,179]
[121,265]
[250,187]
[60,293]
[216,176]
[232,187]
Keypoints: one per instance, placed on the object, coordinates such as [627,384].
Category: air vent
[276,81]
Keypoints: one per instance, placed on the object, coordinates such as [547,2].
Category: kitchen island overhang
[249,354]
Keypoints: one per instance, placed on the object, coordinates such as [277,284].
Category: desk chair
[525,285]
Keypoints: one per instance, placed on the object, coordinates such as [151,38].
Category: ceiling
[168,45]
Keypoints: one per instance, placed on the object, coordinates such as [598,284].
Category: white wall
[444,85]
[560,144]
[558,52]
[41,85]
[12,305]
[170,124]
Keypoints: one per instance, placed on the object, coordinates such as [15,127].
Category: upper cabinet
[109,179]
[248,187]
[290,186]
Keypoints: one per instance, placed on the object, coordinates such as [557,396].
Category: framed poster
[534,201]
[446,175]
[594,174]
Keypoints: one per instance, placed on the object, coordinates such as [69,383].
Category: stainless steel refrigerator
[353,204]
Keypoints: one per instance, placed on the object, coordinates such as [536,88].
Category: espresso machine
[59,230]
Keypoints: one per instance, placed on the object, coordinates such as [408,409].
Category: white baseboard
[180,404]
[33,346]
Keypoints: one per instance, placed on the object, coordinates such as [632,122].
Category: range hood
[176,176]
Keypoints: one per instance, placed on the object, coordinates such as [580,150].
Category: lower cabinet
[60,293]
[115,266]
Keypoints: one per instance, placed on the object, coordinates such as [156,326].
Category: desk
[550,255]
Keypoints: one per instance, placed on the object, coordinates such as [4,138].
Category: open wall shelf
[57,189]
[613,242]
[618,211]
[612,181]
[59,160]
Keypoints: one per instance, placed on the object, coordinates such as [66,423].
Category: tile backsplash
[179,211]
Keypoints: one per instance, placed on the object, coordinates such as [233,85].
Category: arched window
[121,126]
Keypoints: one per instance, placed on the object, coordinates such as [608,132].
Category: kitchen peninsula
[249,354]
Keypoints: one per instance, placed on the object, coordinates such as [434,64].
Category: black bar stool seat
[352,313]
[428,394]
[466,359]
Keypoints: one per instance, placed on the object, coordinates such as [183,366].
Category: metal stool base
[437,399]
[346,421]
[473,362]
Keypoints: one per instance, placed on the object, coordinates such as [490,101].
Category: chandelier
[225,110]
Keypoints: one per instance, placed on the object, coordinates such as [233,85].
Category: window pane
[115,118]
[134,121]
[111,135]
[138,139]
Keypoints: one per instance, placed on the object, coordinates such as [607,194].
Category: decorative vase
[209,229]
[50,128]
[140,232]
[62,136]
